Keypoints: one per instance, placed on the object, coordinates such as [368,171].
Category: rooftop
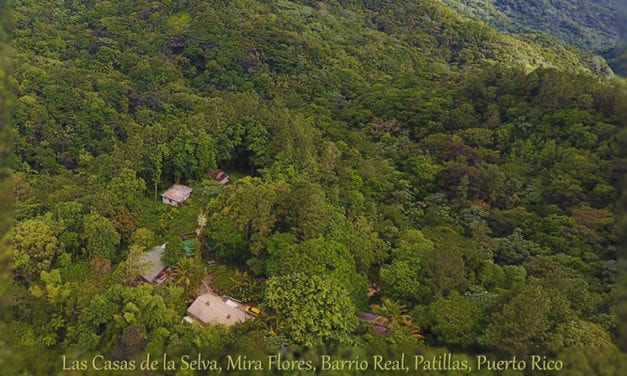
[213,308]
[153,257]
[372,319]
[177,192]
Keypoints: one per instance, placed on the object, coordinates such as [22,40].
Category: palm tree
[239,279]
[186,272]
[271,323]
[391,314]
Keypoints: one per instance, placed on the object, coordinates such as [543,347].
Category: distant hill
[587,25]
[617,57]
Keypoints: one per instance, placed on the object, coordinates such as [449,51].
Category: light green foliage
[392,315]
[34,249]
[579,333]
[423,170]
[317,257]
[179,21]
[143,238]
[133,267]
[295,143]
[363,242]
[413,247]
[65,219]
[56,291]
[188,273]
[312,309]
[399,280]
[402,279]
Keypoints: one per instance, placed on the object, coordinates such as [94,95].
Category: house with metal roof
[210,307]
[176,194]
[157,272]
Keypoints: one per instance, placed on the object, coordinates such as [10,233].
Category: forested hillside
[387,157]
[596,26]
[588,25]
[6,196]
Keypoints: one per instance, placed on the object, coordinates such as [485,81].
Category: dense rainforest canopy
[386,157]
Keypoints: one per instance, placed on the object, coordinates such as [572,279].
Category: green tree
[188,273]
[592,360]
[65,219]
[455,320]
[445,270]
[253,206]
[423,170]
[143,237]
[515,249]
[399,280]
[522,323]
[578,333]
[133,266]
[363,242]
[226,241]
[174,250]
[318,257]
[35,248]
[307,210]
[313,310]
[191,154]
[126,189]
[100,236]
[392,315]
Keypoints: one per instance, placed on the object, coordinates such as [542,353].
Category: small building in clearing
[176,194]
[220,176]
[213,308]
[158,272]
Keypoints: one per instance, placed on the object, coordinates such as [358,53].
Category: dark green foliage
[454,320]
[101,238]
[522,323]
[226,241]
